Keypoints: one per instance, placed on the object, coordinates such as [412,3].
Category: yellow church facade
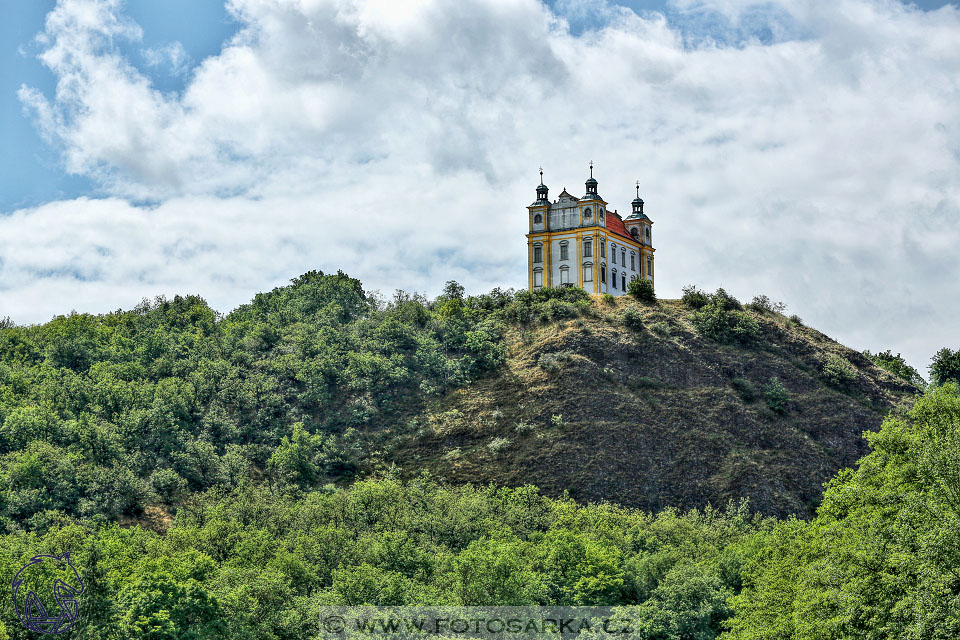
[579,242]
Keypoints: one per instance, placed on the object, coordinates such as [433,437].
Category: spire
[542,188]
[591,184]
[638,201]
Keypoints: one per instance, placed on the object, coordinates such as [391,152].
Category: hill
[630,403]
[125,416]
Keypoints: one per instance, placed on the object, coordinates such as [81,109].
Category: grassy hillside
[628,402]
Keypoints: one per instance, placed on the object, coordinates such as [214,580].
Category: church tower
[579,242]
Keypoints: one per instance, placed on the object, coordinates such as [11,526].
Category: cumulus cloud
[816,162]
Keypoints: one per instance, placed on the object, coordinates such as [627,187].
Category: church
[579,242]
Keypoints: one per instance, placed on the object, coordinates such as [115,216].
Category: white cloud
[401,146]
[172,55]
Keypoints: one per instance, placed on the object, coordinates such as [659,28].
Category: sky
[809,151]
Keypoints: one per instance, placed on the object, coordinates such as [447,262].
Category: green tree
[945,367]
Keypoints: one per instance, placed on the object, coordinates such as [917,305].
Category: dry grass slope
[629,404]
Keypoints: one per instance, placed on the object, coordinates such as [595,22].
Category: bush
[642,290]
[744,389]
[523,427]
[776,396]
[609,298]
[763,304]
[896,365]
[694,298]
[717,321]
[553,362]
[497,445]
[797,320]
[838,371]
[631,318]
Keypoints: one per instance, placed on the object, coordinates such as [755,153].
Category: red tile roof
[615,225]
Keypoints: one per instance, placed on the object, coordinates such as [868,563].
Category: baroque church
[579,242]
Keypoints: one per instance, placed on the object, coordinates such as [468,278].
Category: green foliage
[694,298]
[776,396]
[838,371]
[103,416]
[945,367]
[896,365]
[721,319]
[642,290]
[631,318]
[763,304]
[250,563]
[880,559]
[609,299]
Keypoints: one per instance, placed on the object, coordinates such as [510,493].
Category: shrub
[523,427]
[776,395]
[609,298]
[642,290]
[553,362]
[557,421]
[896,365]
[694,298]
[838,371]
[631,318]
[717,321]
[497,445]
[797,320]
[763,304]
[661,328]
[744,389]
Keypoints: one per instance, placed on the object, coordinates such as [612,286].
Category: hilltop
[627,402]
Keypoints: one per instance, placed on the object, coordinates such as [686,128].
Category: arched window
[564,250]
[588,272]
[537,253]
[633,232]
[564,275]
[623,257]
[648,234]
[601,216]
[623,279]
[588,248]
[603,273]
[587,213]
[633,261]
[538,219]
[613,278]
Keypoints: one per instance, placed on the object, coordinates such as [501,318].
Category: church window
[587,248]
[564,251]
[623,279]
[633,232]
[587,214]
[538,254]
[623,257]
[588,272]
[603,249]
[648,234]
[649,266]
[538,278]
[633,261]
[613,278]
[603,273]
[564,275]
[601,216]
[538,219]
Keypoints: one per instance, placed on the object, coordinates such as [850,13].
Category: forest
[223,476]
